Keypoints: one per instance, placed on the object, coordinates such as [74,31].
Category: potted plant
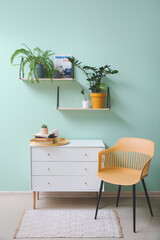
[85,103]
[40,64]
[94,76]
[44,129]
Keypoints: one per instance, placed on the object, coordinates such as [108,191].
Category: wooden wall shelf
[48,79]
[84,109]
[21,75]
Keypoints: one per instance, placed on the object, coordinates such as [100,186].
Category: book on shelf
[64,66]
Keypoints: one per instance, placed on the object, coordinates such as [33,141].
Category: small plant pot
[85,104]
[41,71]
[44,130]
[97,100]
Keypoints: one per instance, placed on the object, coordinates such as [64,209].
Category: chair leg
[147,197]
[119,190]
[134,208]
[99,197]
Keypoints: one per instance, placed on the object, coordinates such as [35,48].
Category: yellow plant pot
[97,100]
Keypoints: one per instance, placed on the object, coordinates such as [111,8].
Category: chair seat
[119,175]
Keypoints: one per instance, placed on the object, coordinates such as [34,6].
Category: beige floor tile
[148,228]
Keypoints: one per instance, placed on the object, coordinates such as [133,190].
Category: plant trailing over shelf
[38,60]
[94,75]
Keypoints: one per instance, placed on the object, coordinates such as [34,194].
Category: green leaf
[102,86]
[114,71]
[19,51]
[82,91]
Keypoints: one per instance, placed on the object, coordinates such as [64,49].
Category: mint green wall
[124,33]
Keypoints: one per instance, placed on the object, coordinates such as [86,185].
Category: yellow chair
[126,163]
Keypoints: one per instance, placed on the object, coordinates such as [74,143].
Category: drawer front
[67,183]
[64,154]
[64,168]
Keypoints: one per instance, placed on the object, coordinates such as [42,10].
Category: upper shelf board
[48,79]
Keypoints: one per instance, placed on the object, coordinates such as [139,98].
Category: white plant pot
[85,104]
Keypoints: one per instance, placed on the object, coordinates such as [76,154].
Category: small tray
[58,142]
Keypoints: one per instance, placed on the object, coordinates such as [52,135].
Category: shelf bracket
[57,97]
[108,99]
[21,74]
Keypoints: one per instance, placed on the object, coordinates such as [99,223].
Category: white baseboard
[28,194]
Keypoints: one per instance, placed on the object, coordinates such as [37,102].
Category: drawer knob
[85,169]
[85,154]
[85,183]
[48,154]
[48,182]
[48,169]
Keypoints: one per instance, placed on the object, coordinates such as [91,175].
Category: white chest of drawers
[70,167]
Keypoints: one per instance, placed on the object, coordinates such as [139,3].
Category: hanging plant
[39,61]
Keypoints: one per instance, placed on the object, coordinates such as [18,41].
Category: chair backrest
[130,153]
[136,145]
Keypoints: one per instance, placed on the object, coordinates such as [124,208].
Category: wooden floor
[148,228]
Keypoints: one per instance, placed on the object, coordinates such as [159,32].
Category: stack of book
[49,138]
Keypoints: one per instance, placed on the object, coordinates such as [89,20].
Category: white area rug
[68,223]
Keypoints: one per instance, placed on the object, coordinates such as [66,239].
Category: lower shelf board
[85,109]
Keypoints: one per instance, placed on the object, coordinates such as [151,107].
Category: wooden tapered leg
[34,200]
[37,195]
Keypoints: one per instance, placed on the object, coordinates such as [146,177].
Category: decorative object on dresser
[49,143]
[94,77]
[68,223]
[44,129]
[44,137]
[66,168]
[40,63]
[85,103]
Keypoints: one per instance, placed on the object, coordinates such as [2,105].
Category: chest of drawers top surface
[80,144]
